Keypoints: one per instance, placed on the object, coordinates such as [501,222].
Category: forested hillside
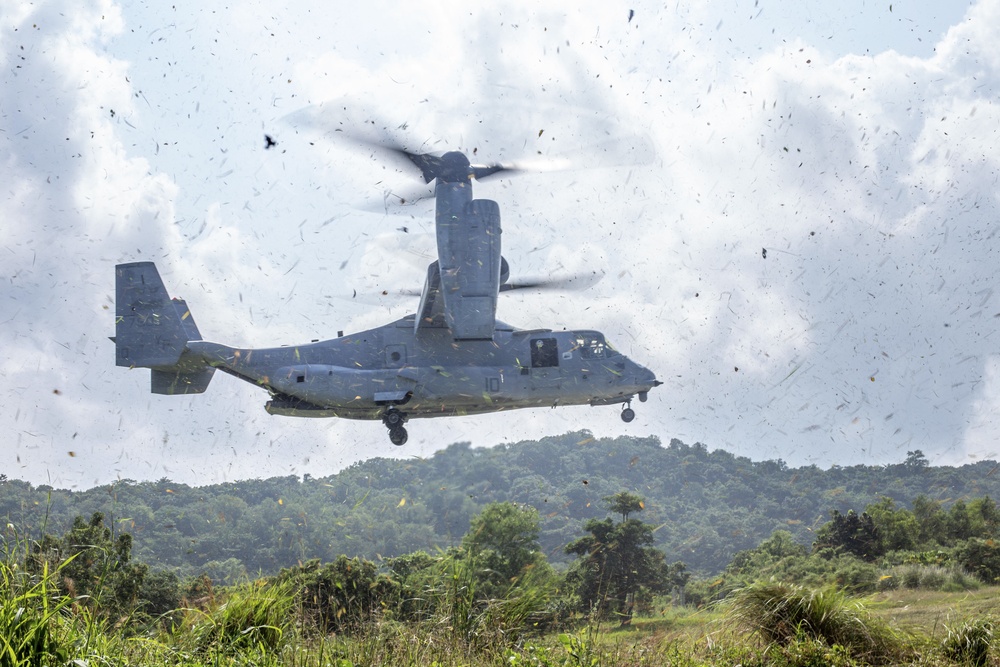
[707,505]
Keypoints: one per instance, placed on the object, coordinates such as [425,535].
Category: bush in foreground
[254,616]
[781,614]
[970,643]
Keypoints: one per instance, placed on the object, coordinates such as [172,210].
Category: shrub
[982,558]
[342,596]
[855,576]
[962,580]
[910,576]
[887,582]
[783,613]
[970,643]
[929,577]
[253,616]
[809,652]
[159,593]
[934,578]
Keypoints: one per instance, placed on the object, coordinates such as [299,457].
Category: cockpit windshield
[592,345]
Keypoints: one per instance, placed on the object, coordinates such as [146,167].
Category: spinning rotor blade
[485,171]
[428,164]
[452,166]
[406,197]
[573,283]
[615,149]
[577,281]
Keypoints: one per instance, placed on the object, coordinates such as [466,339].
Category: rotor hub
[454,168]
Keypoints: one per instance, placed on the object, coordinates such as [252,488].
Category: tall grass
[952,578]
[41,625]
[449,596]
[256,616]
[782,614]
[28,610]
[971,642]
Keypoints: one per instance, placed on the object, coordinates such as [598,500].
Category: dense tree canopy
[706,505]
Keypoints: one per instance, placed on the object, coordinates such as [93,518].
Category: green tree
[503,543]
[982,558]
[94,566]
[851,533]
[624,503]
[617,560]
[753,562]
[987,517]
[916,460]
[897,528]
[932,520]
[961,523]
[160,593]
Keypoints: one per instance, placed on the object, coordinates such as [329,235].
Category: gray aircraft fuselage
[428,374]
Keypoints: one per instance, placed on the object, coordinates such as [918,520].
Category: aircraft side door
[544,353]
[544,359]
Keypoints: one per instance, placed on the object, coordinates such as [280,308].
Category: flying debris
[451,357]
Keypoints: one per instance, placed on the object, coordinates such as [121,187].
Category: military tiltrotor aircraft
[452,357]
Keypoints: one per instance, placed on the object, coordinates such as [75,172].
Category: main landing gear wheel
[394,420]
[628,414]
[397,435]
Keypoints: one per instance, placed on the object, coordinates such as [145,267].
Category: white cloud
[982,435]
[865,163]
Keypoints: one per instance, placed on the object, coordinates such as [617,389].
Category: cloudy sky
[793,205]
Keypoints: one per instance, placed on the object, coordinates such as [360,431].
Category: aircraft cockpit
[592,345]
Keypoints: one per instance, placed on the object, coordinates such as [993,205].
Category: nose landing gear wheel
[628,414]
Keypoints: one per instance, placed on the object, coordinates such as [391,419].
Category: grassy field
[683,637]
[928,613]
[921,620]
[259,624]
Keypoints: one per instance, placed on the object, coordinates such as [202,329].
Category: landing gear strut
[394,420]
[628,414]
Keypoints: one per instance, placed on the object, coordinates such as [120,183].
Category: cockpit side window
[591,346]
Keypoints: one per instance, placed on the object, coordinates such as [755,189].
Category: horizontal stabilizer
[180,382]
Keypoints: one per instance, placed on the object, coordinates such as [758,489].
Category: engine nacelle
[471,271]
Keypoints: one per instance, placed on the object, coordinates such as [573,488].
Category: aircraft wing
[430,314]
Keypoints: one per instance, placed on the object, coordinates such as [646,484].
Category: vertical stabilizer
[152,331]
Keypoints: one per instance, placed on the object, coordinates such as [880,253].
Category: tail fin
[152,331]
